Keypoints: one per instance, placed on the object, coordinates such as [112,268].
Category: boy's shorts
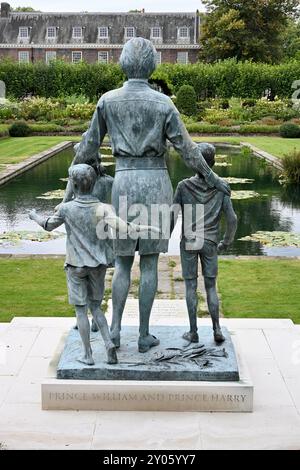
[85,284]
[209,260]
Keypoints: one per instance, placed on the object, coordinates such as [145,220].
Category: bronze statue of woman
[139,122]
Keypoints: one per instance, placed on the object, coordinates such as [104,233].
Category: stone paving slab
[274,424]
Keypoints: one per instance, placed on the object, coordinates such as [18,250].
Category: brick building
[36,36]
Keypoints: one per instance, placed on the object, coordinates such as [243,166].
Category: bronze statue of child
[203,243]
[88,253]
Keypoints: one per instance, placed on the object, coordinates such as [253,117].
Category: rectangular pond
[273,207]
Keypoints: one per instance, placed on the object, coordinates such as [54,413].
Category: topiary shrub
[19,129]
[290,130]
[186,100]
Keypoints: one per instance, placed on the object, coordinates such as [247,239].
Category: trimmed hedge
[222,79]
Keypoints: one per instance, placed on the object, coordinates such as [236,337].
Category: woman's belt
[140,163]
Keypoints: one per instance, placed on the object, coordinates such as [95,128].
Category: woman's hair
[138,58]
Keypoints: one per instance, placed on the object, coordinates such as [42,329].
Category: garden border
[13,170]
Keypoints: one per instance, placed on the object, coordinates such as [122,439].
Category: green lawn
[263,288]
[250,288]
[16,149]
[33,287]
[276,146]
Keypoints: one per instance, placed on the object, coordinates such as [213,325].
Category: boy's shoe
[191,336]
[147,342]
[219,338]
[112,357]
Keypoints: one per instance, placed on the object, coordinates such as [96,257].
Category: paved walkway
[271,349]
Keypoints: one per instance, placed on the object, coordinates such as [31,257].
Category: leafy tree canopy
[246,29]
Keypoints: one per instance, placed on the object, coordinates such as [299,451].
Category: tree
[291,40]
[245,29]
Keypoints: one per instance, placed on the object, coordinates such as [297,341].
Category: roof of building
[38,22]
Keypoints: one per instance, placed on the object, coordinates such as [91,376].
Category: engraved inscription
[149,397]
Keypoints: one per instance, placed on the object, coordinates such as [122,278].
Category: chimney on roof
[5,10]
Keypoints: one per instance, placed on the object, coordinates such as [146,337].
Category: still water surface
[277,209]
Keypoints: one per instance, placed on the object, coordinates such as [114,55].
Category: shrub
[46,128]
[290,130]
[19,129]
[291,167]
[39,108]
[258,129]
[224,104]
[249,103]
[80,111]
[186,100]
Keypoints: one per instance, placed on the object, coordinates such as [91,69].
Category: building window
[129,32]
[155,33]
[24,57]
[182,58]
[76,57]
[183,32]
[77,32]
[24,32]
[102,32]
[50,55]
[51,32]
[158,57]
[103,57]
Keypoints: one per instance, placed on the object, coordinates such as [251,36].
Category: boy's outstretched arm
[231,224]
[107,213]
[47,223]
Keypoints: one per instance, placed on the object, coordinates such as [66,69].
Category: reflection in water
[278,209]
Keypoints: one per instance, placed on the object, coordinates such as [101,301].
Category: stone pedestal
[172,359]
[217,382]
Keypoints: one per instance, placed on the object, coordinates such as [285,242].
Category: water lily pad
[275,239]
[56,194]
[244,194]
[223,164]
[233,180]
[13,238]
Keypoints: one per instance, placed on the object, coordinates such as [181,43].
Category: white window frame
[50,55]
[179,33]
[25,59]
[131,28]
[76,61]
[22,30]
[159,31]
[103,60]
[52,28]
[186,60]
[75,35]
[158,57]
[104,29]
